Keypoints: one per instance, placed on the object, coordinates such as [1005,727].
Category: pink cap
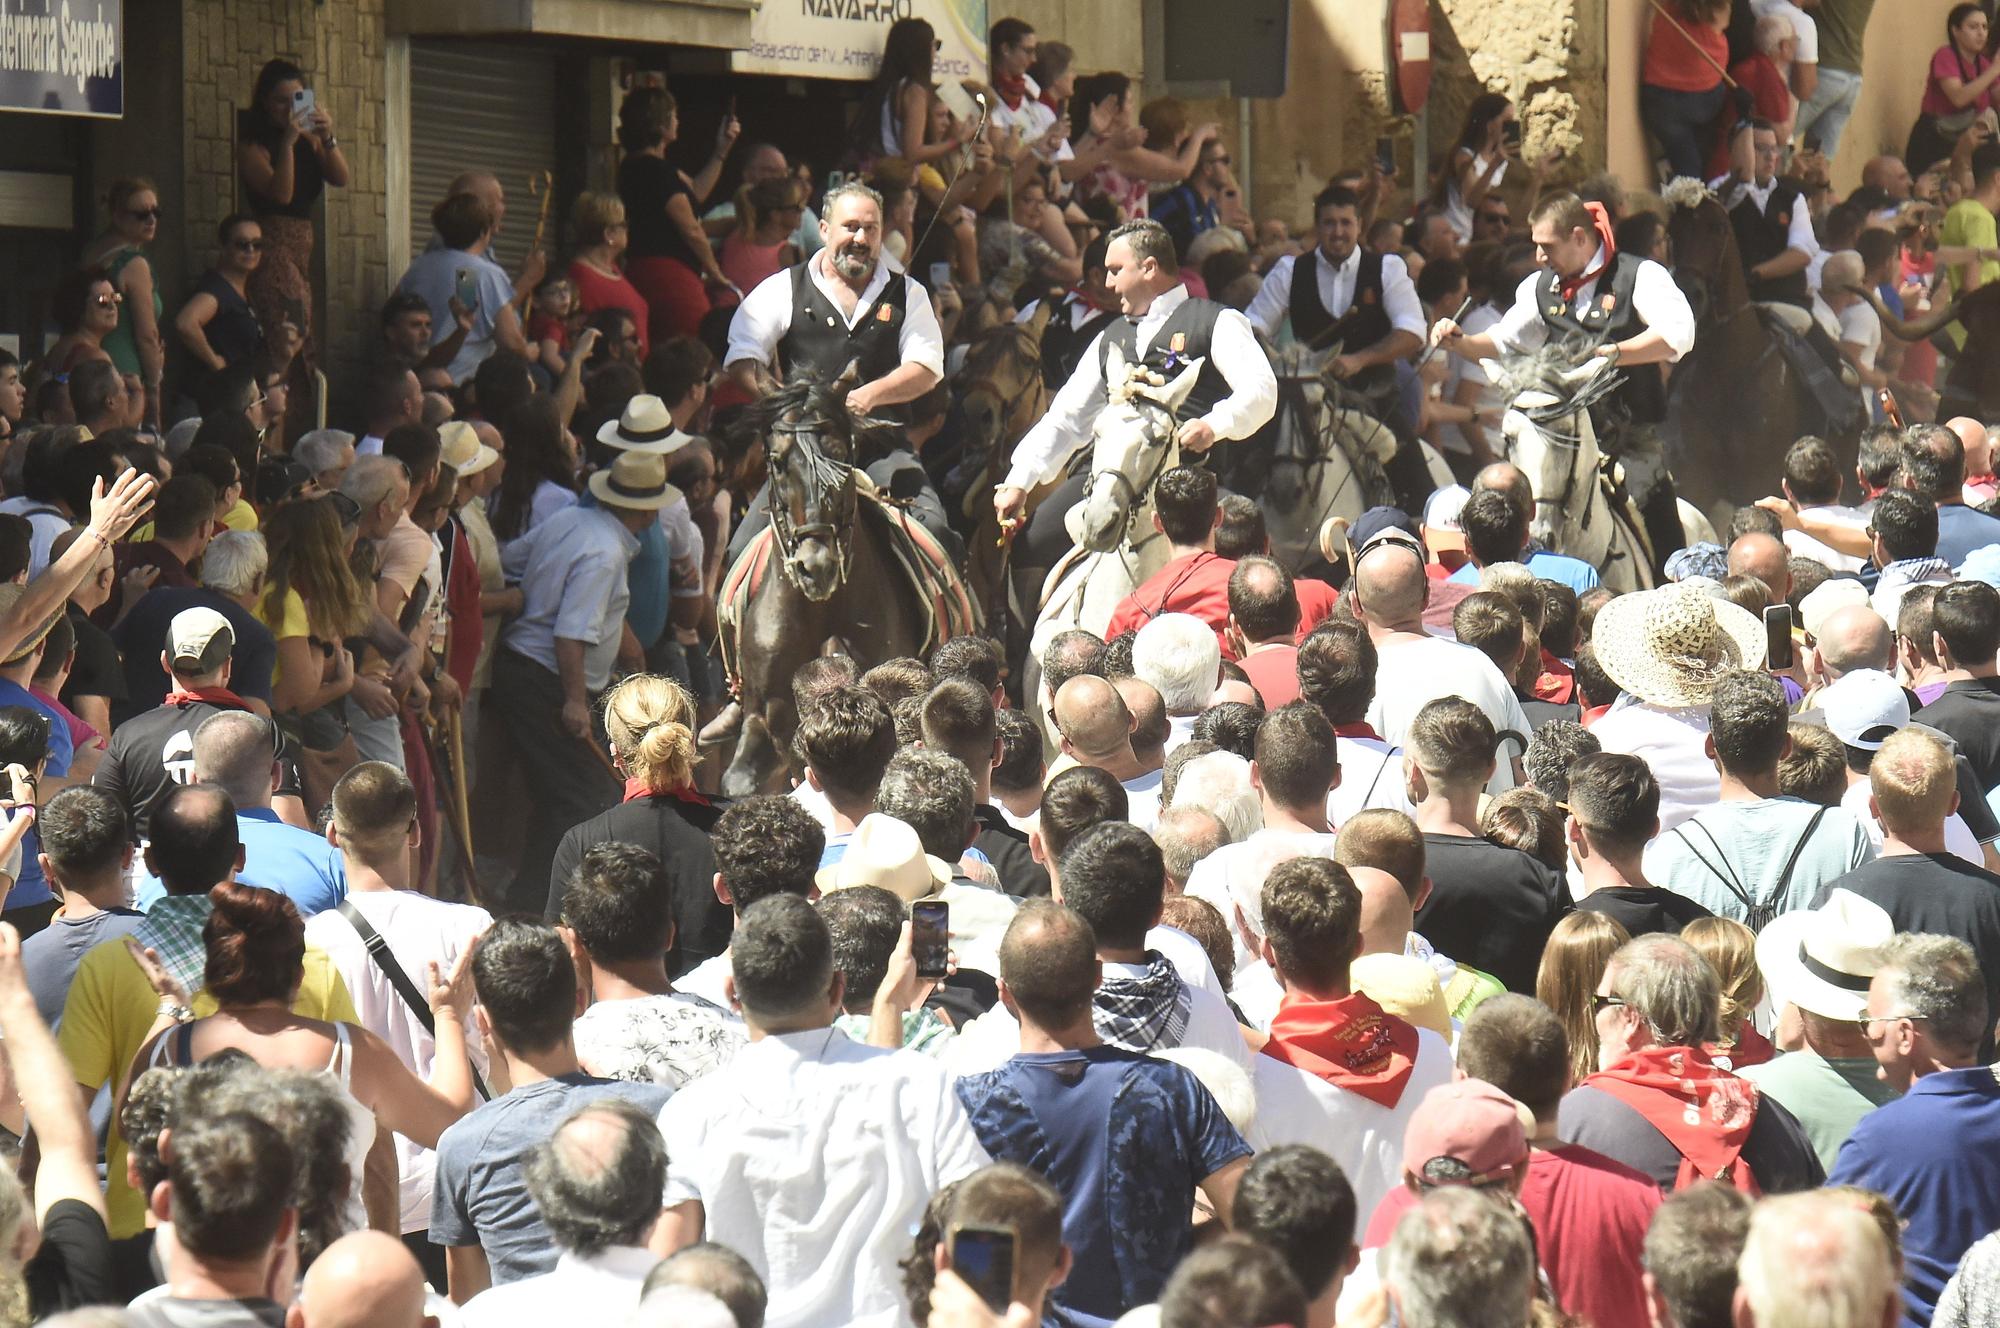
[1474,1125]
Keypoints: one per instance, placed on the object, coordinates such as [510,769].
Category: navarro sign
[62,57]
[843,38]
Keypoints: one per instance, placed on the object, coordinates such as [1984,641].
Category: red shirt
[1590,1215]
[1674,55]
[1274,672]
[596,291]
[1770,100]
[1194,583]
[1316,601]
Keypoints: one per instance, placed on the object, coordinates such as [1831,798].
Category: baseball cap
[1465,1133]
[1828,598]
[1864,707]
[1441,516]
[198,640]
[1372,523]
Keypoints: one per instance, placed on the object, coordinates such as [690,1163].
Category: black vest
[1762,236]
[1184,337]
[1063,346]
[819,338]
[1364,323]
[1642,397]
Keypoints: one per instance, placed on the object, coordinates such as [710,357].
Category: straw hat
[1668,646]
[10,595]
[886,852]
[636,480]
[646,425]
[1820,959]
[463,451]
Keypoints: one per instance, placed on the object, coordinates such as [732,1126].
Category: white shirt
[813,1157]
[1802,25]
[607,1283]
[1366,1138]
[1671,742]
[1798,231]
[1371,775]
[1805,546]
[1958,837]
[1335,284]
[1461,370]
[1257,994]
[988,1041]
[1142,799]
[1861,328]
[420,930]
[816,804]
[45,524]
[765,315]
[1411,674]
[1655,298]
[369,444]
[1232,877]
[1184,952]
[1252,399]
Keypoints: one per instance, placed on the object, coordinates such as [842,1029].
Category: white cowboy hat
[1668,646]
[636,480]
[463,451]
[645,426]
[1820,959]
[886,852]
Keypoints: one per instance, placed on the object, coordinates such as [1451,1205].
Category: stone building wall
[1547,55]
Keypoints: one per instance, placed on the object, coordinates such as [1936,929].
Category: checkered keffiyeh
[1144,1013]
[173,927]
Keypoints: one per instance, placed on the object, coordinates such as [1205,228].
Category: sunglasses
[348,510]
[246,246]
[1599,1004]
[107,301]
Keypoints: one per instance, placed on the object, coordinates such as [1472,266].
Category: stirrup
[723,727]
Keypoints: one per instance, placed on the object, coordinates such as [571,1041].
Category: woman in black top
[668,258]
[650,721]
[286,157]
[217,324]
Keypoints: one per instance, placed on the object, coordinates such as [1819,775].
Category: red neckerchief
[1601,222]
[636,789]
[221,696]
[1556,682]
[1351,1043]
[1360,728]
[1013,91]
[1670,1085]
[1592,714]
[1750,1048]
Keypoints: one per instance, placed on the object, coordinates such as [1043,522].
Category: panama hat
[636,480]
[1668,646]
[463,451]
[1820,959]
[645,425]
[886,852]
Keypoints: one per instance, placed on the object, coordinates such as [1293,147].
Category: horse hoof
[723,727]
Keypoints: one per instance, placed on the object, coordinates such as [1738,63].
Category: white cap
[1828,598]
[1864,707]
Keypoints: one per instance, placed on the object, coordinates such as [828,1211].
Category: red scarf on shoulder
[1351,1043]
[1013,91]
[1705,1111]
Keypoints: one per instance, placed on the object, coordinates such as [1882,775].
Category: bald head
[1150,728]
[1386,915]
[1389,585]
[1856,637]
[1186,835]
[363,1280]
[1507,478]
[1092,717]
[1889,174]
[1764,557]
[237,752]
[1978,447]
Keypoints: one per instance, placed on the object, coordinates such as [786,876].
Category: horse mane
[1541,369]
[811,395]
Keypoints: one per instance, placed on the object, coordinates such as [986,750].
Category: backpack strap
[1798,849]
[385,960]
[1720,868]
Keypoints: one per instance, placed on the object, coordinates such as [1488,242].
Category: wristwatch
[172,1008]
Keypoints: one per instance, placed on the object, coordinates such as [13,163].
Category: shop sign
[62,57]
[843,38]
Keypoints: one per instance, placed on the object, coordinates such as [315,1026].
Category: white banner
[843,39]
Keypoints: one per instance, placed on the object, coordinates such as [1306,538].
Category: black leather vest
[1762,236]
[1063,346]
[1363,323]
[1642,397]
[1185,336]
[820,340]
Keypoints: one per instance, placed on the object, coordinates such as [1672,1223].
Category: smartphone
[984,1257]
[1511,135]
[940,275]
[302,106]
[1778,636]
[1385,155]
[930,937]
[468,288]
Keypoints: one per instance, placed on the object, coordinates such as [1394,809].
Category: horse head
[1301,397]
[809,451]
[1131,444]
[1704,251]
[1547,428]
[1000,388]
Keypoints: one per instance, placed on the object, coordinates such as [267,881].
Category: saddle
[949,611]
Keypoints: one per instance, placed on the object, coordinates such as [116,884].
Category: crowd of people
[1416,932]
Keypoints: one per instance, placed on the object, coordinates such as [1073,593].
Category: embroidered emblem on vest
[884,314]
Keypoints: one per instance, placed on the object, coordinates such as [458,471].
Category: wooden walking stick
[546,192]
[461,800]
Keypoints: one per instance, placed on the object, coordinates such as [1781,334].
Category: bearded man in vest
[1164,328]
[1341,295]
[1628,306]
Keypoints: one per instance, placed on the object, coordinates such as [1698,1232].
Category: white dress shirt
[1411,674]
[813,1157]
[607,1284]
[1336,292]
[1252,399]
[765,315]
[1655,298]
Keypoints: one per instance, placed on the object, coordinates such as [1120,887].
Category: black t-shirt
[1969,712]
[674,830]
[647,184]
[1643,909]
[1491,907]
[143,635]
[73,1268]
[151,753]
[1940,893]
[1007,849]
[97,671]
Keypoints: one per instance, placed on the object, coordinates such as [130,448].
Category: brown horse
[1001,394]
[831,574]
[1973,386]
[1733,401]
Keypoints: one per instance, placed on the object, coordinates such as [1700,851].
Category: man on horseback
[1630,309]
[1164,328]
[1365,303]
[1774,231]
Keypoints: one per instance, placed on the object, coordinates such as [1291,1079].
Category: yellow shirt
[240,517]
[291,621]
[110,1007]
[1968,223]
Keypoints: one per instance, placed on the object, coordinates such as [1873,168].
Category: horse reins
[822,474]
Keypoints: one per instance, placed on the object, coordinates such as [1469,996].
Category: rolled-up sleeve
[586,594]
[1663,307]
[1274,298]
[764,316]
[921,342]
[1253,388]
[1399,298]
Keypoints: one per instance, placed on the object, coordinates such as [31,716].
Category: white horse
[1326,459]
[1549,436]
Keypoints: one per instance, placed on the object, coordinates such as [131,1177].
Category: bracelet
[97,535]
[179,1013]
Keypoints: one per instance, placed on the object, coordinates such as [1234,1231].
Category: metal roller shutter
[481,107]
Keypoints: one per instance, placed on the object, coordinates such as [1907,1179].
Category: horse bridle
[822,474]
[1008,404]
[1134,494]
